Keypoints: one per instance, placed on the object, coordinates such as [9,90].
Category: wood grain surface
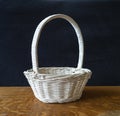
[95,101]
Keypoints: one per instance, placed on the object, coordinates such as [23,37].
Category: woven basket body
[57,84]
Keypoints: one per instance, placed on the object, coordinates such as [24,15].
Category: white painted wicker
[57,84]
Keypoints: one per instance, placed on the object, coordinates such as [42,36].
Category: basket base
[60,100]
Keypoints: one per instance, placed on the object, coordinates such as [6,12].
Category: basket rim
[76,72]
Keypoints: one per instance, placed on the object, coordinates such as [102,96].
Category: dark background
[100,25]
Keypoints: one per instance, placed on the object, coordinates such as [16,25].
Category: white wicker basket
[57,84]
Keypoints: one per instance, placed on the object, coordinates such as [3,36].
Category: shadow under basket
[58,84]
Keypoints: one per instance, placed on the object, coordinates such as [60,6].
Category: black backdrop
[99,22]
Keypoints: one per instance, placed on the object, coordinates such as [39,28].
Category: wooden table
[95,101]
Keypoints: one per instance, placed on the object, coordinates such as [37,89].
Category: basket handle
[37,34]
